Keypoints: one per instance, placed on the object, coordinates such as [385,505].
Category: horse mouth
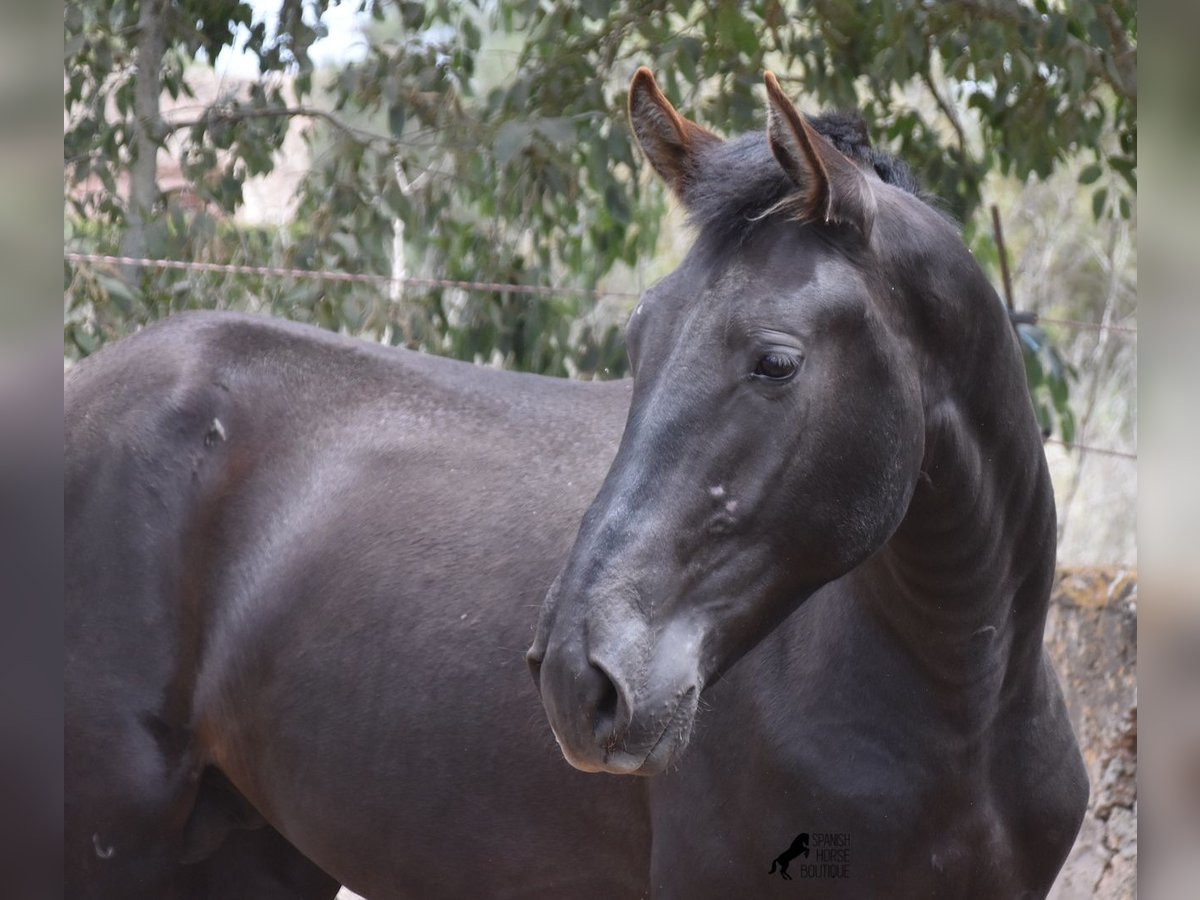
[667,746]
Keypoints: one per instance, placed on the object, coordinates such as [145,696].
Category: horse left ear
[673,145]
[833,188]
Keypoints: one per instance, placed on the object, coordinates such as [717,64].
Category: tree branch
[147,133]
[241,114]
[945,107]
[1124,53]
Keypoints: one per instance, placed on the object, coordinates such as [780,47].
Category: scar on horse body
[301,569]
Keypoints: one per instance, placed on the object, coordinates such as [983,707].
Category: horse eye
[776,366]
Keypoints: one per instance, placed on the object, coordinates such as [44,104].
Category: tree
[121,57]
[525,172]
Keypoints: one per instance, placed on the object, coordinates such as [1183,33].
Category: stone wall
[1091,634]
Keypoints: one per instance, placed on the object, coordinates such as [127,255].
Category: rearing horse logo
[799,847]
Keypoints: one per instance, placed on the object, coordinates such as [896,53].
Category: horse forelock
[739,182]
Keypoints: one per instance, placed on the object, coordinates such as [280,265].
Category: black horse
[301,571]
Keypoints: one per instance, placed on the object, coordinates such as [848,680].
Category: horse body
[295,599]
[302,569]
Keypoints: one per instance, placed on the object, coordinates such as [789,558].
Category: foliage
[1049,377]
[495,133]
[102,81]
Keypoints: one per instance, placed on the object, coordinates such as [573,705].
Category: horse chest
[886,788]
[871,823]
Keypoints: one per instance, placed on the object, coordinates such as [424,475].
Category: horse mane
[740,180]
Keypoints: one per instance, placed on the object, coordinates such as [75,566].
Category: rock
[1091,636]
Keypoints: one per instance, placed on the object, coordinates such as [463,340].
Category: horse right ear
[671,143]
[832,189]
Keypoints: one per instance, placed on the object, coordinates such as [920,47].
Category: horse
[791,576]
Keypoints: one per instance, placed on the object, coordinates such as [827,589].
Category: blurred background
[435,152]
[459,178]
[411,145]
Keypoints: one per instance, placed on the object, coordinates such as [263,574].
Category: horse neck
[965,580]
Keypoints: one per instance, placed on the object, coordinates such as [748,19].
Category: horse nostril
[534,661]
[607,700]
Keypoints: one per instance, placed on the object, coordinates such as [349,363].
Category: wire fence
[1085,448]
[1085,326]
[495,287]
[317,275]
[486,286]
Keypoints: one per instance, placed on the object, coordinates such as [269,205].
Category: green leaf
[471,35]
[412,14]
[1066,424]
[733,25]
[510,140]
[558,131]
[396,118]
[118,292]
[596,9]
[348,244]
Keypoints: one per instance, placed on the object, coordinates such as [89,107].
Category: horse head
[782,381]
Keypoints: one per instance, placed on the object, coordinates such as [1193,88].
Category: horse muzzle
[604,720]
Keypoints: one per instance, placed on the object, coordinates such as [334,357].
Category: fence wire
[496,287]
[319,275]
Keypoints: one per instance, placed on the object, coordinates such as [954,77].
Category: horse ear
[671,143]
[834,190]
